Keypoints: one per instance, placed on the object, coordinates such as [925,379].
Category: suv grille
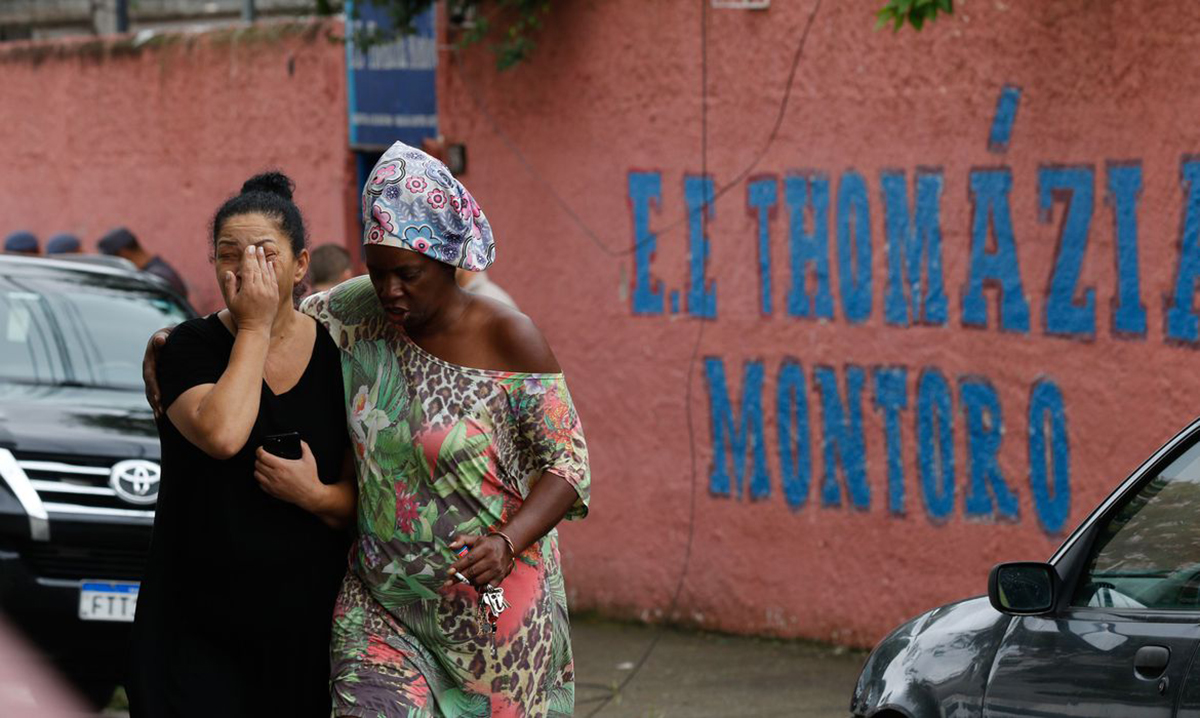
[79,486]
[48,560]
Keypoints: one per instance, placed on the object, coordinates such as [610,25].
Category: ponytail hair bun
[275,183]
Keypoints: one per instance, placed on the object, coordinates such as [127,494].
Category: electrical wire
[704,210]
[565,206]
[783,105]
[529,168]
[691,373]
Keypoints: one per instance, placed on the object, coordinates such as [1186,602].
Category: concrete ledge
[35,52]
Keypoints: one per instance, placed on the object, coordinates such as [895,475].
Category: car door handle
[1151,662]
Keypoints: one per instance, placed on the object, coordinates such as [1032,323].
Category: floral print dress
[443,450]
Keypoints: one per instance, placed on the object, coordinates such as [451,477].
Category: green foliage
[517,22]
[913,12]
[513,23]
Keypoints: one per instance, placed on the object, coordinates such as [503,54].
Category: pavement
[704,675]
[698,675]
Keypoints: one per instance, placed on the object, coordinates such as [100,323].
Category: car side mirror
[1022,589]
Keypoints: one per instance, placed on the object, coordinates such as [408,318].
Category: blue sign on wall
[391,83]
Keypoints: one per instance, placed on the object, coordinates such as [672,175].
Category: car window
[91,330]
[28,343]
[1148,553]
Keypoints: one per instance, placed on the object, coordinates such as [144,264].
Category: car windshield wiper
[67,384]
[95,385]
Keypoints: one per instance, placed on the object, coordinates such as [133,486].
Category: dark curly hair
[268,194]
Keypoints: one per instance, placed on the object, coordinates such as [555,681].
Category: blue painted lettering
[761,197]
[1004,119]
[935,444]
[1074,186]
[1181,313]
[854,247]
[891,395]
[989,195]
[1124,194]
[795,451]
[808,248]
[702,293]
[842,440]
[726,430]
[645,192]
[1050,486]
[985,432]
[909,238]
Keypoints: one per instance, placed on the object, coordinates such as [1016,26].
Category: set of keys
[491,603]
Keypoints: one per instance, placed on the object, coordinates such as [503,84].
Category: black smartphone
[285,446]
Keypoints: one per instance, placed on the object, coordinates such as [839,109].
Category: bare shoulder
[517,340]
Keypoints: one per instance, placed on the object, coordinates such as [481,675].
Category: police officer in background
[25,243]
[120,242]
[61,244]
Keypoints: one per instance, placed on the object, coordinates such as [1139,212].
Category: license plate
[107,600]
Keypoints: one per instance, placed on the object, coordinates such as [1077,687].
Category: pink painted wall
[98,134]
[95,134]
[611,100]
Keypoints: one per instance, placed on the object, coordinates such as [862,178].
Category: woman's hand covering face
[252,294]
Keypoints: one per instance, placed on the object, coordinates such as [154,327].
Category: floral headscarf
[411,201]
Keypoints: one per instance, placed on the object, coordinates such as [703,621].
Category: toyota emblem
[136,481]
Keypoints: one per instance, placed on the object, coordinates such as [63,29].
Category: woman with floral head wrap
[469,453]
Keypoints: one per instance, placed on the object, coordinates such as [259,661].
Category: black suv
[78,456]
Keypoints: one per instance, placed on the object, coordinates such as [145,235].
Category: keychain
[491,603]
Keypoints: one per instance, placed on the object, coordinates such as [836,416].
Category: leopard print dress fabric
[443,450]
